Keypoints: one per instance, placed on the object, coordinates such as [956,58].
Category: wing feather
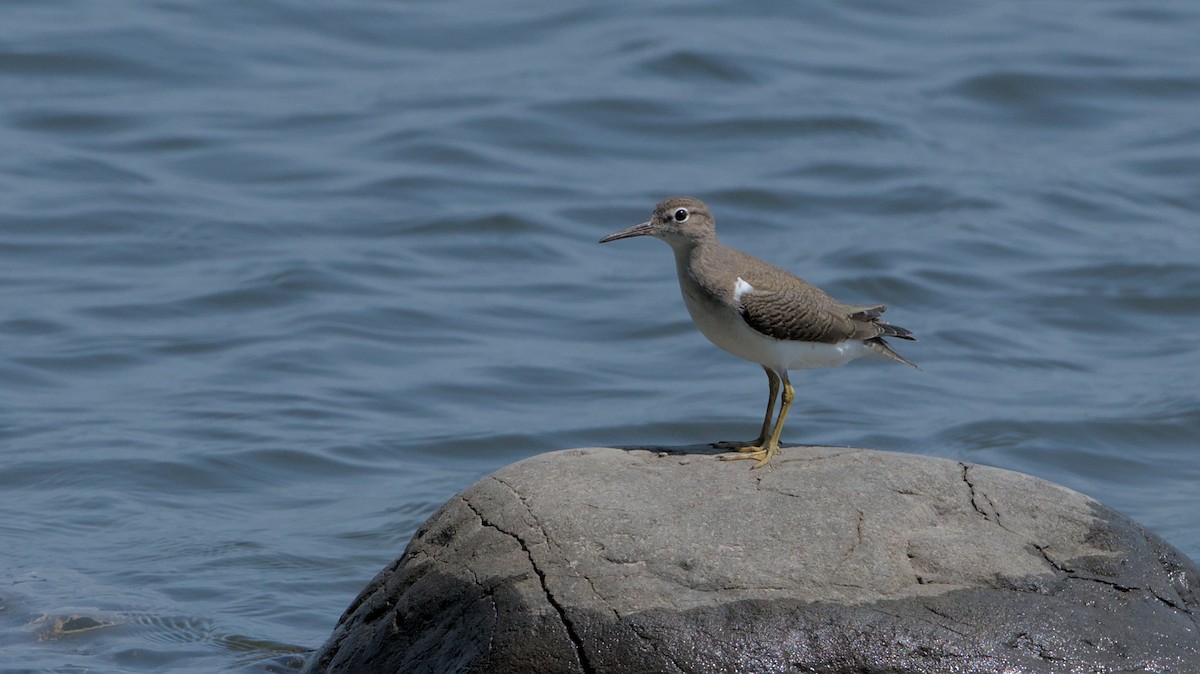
[786,307]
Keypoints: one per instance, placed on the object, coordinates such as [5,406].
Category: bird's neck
[692,256]
[686,249]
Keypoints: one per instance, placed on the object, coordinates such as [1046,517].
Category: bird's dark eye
[681,215]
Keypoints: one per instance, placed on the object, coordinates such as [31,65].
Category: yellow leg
[756,444]
[789,394]
[765,450]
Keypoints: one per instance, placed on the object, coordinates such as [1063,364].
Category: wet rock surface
[827,560]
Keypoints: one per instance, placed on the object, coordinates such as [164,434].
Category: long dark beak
[641,229]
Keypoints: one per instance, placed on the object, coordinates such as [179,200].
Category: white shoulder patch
[741,288]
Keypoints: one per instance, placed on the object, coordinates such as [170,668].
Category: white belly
[725,328]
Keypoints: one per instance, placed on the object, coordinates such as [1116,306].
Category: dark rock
[827,560]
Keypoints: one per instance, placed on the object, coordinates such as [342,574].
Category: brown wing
[802,317]
[785,306]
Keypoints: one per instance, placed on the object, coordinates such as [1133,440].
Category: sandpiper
[760,312]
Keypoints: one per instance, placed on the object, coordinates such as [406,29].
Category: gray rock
[827,560]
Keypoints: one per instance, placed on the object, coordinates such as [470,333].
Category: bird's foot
[760,454]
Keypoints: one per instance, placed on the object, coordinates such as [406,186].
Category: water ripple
[279,279]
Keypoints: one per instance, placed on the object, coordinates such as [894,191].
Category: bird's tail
[890,330]
[869,313]
[881,347]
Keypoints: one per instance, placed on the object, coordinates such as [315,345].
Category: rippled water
[278,280]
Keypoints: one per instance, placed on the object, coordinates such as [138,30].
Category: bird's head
[676,220]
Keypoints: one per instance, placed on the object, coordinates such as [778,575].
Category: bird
[762,313]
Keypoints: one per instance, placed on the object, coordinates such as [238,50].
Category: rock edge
[828,560]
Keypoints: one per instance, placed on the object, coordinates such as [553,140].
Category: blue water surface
[277,279]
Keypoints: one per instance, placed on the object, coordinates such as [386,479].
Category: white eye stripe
[741,288]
